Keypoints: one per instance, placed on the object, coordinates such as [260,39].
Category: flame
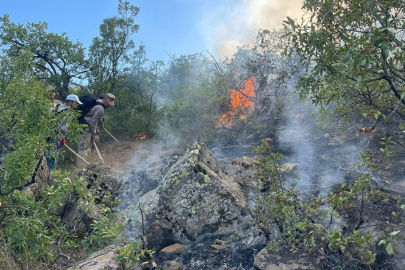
[299,115]
[241,98]
[139,136]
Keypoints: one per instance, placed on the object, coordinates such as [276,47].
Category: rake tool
[110,134]
[76,154]
[98,152]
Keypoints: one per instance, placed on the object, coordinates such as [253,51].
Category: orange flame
[239,99]
[299,115]
[139,136]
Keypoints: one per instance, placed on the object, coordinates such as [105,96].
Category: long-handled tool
[110,134]
[98,152]
[76,154]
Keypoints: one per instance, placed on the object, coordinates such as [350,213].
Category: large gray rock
[195,197]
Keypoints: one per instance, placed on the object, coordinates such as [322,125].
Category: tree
[109,53]
[139,112]
[32,232]
[57,60]
[271,67]
[354,54]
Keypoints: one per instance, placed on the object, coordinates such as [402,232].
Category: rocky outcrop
[195,197]
[101,260]
[241,170]
[192,213]
[76,215]
[171,251]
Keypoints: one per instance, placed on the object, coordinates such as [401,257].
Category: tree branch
[32,181]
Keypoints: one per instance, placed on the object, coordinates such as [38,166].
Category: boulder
[101,260]
[195,197]
[79,217]
[171,251]
[264,260]
[241,170]
[172,265]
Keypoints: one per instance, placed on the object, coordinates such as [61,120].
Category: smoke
[319,164]
[322,159]
[236,24]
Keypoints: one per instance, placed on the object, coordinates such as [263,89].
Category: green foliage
[388,145]
[57,60]
[132,254]
[105,227]
[110,52]
[31,228]
[288,220]
[353,54]
[280,208]
[354,244]
[27,117]
[103,232]
[390,243]
[197,97]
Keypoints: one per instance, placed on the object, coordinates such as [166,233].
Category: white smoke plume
[236,24]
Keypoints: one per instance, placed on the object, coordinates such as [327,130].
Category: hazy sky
[166,26]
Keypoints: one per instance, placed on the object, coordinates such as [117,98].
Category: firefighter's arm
[98,114]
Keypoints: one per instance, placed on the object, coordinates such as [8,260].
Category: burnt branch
[32,181]
[60,254]
[142,236]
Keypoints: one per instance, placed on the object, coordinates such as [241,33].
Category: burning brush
[239,98]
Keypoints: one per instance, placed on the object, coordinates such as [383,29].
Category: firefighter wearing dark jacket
[93,117]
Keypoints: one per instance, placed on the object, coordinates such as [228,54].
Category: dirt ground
[116,155]
[125,155]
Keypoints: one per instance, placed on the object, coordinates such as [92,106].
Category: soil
[116,155]
[126,154]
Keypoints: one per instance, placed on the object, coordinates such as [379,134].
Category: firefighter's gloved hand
[63,142]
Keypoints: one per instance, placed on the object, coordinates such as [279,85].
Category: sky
[172,27]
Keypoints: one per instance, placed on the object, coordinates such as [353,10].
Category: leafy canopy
[353,51]
[57,60]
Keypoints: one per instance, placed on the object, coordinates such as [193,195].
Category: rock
[266,261]
[171,265]
[104,185]
[74,214]
[218,247]
[78,219]
[227,268]
[171,251]
[268,140]
[242,172]
[101,260]
[141,181]
[339,140]
[399,258]
[195,197]
[101,169]
[244,161]
[288,167]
